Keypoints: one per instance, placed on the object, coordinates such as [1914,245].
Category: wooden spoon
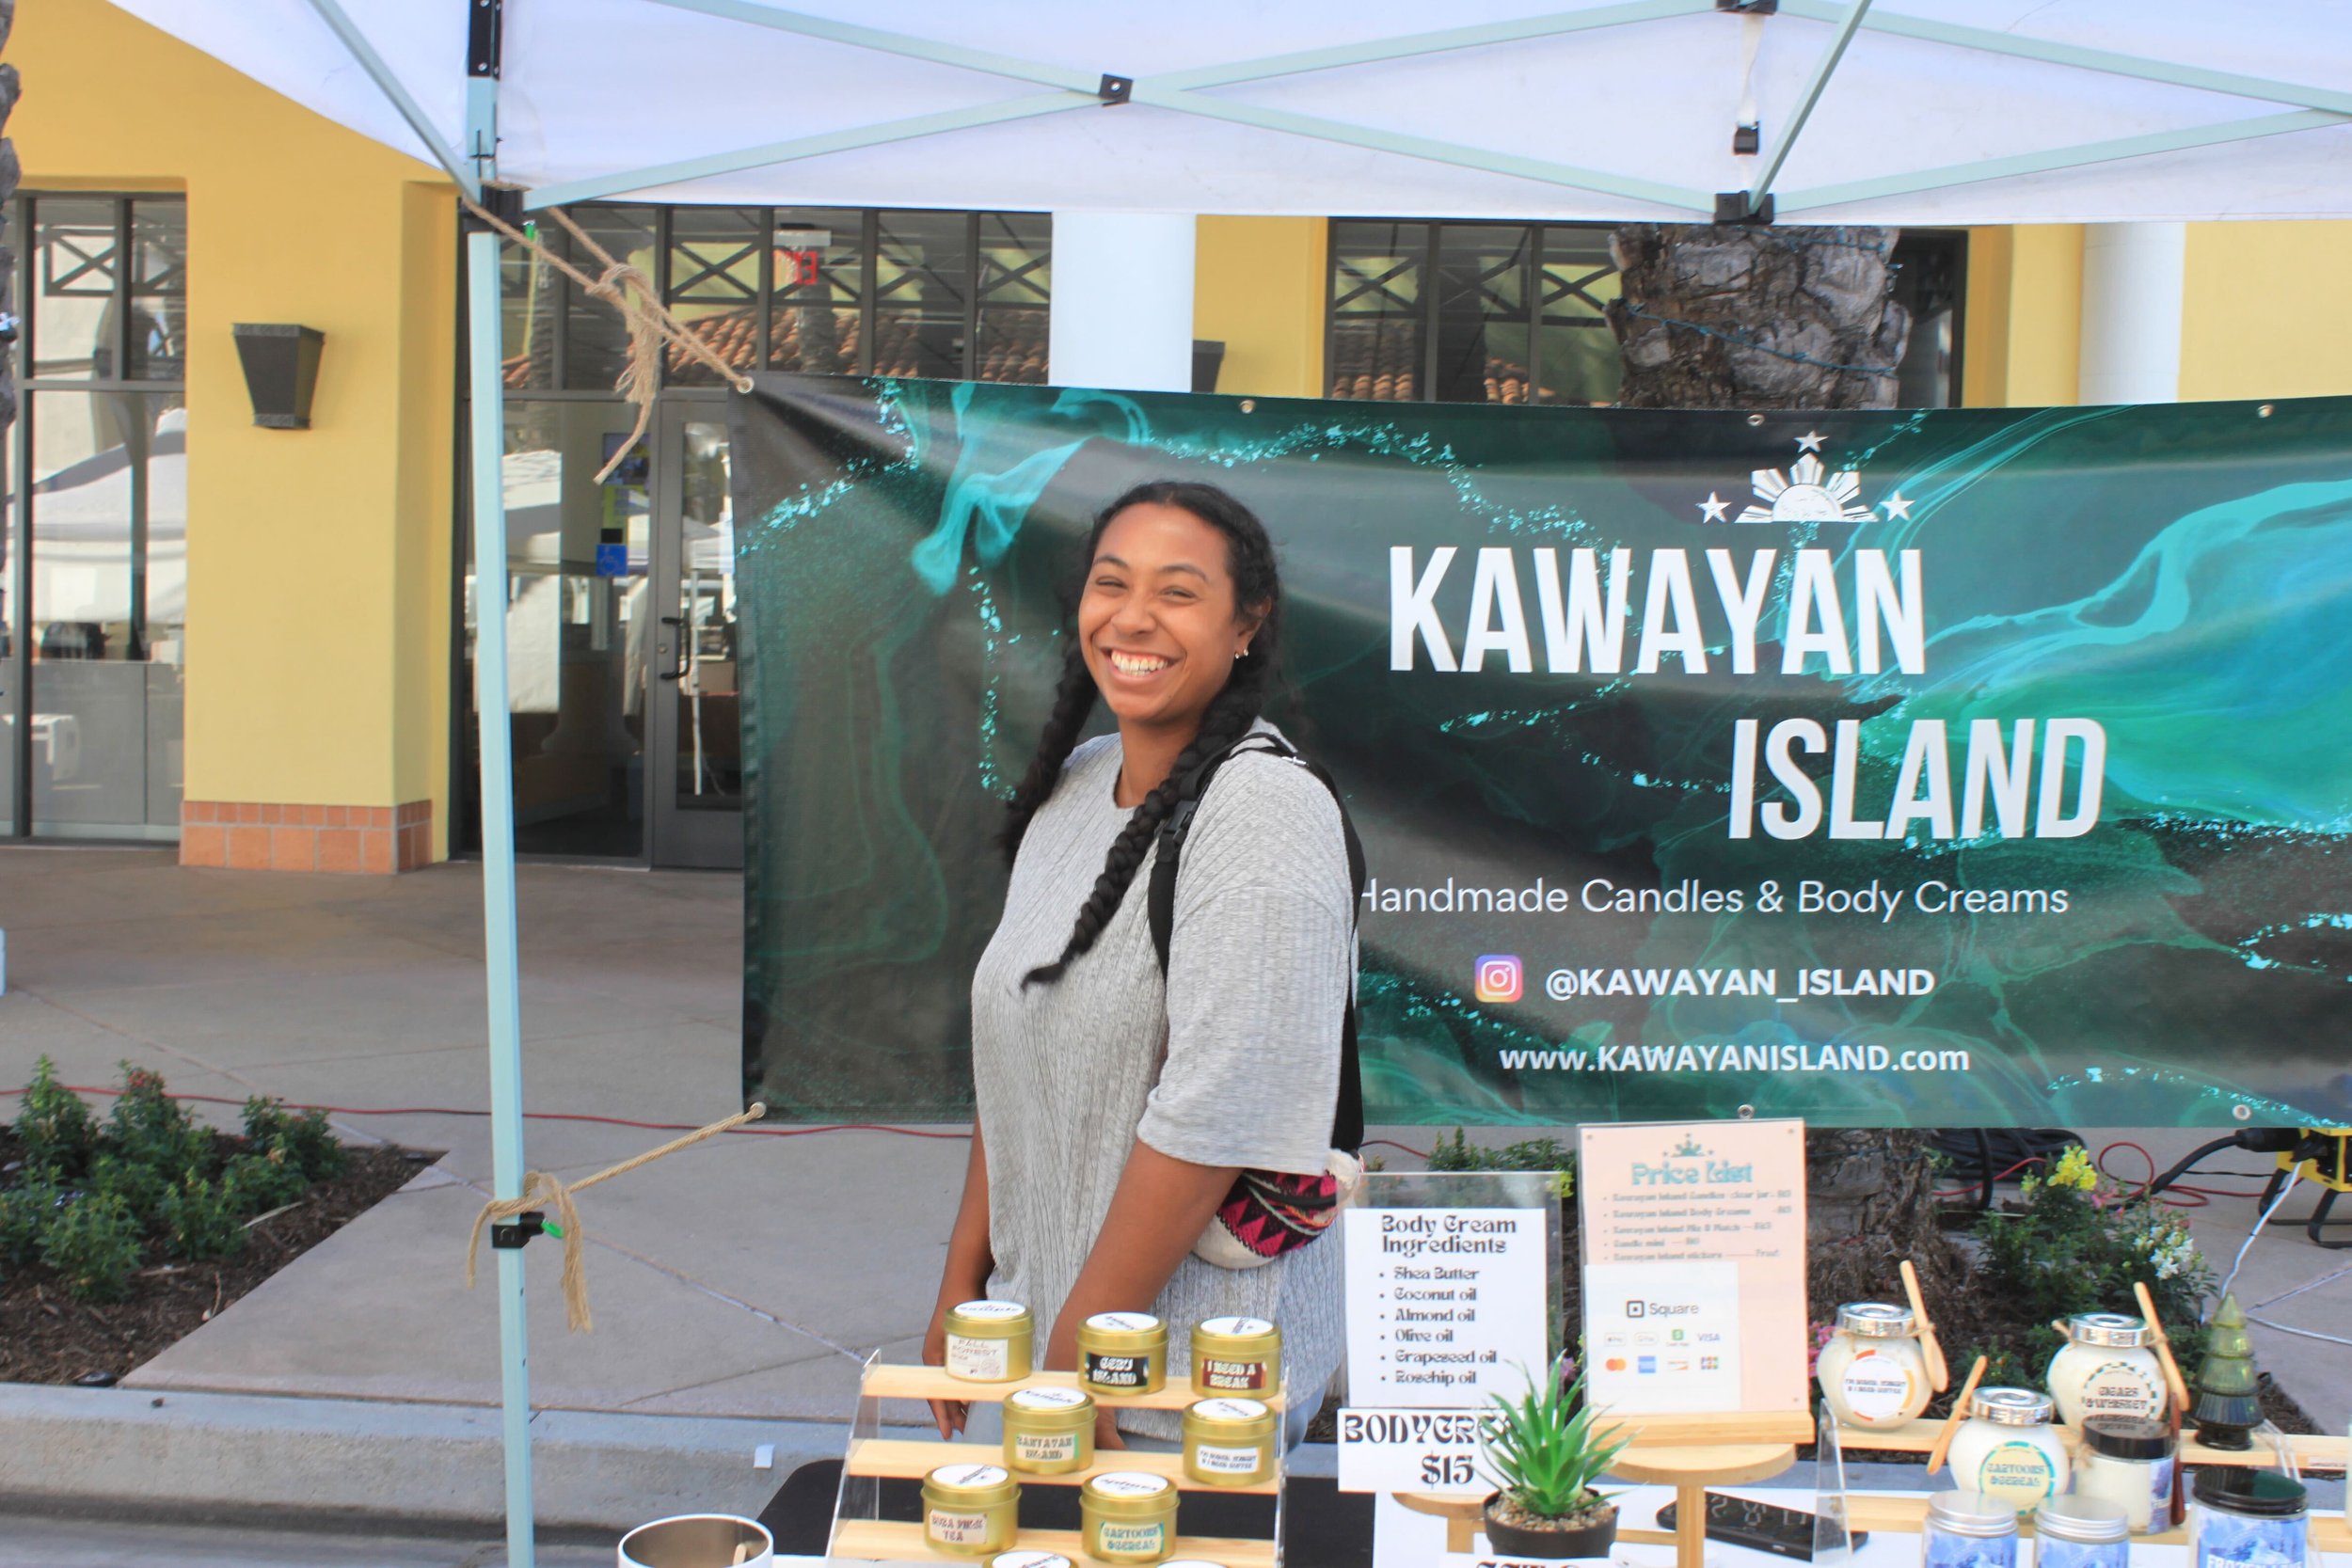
[2173,1379]
[1960,1414]
[1939,1374]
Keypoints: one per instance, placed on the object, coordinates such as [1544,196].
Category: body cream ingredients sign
[1444,1305]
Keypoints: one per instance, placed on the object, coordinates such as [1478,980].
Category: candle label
[1948,1550]
[2233,1541]
[957,1529]
[2121,1388]
[1877,1387]
[1228,1462]
[1237,1376]
[1139,1537]
[1052,1448]
[1117,1372]
[2019,1473]
[981,1360]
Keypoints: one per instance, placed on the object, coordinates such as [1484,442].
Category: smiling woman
[1121,1102]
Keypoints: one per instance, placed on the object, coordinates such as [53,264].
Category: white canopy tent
[1123,121]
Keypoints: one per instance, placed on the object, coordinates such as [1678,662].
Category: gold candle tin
[970,1509]
[1230,1442]
[1122,1354]
[1049,1431]
[1130,1516]
[990,1341]
[1236,1355]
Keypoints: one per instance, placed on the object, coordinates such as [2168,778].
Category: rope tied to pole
[543,1191]
[631,292]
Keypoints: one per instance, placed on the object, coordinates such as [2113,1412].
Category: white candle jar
[1872,1371]
[2006,1448]
[2106,1368]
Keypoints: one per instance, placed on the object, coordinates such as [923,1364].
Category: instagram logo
[1500,977]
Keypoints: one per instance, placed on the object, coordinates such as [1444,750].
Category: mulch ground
[48,1337]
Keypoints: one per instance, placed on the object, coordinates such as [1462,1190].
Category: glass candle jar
[1129,1516]
[1123,1353]
[990,1341]
[1872,1371]
[1029,1558]
[1049,1431]
[2247,1518]
[2007,1450]
[2076,1532]
[1230,1442]
[2106,1368]
[970,1509]
[1236,1355]
[2128,1462]
[1967,1529]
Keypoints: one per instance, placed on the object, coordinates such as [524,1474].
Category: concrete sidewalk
[745,1278]
[749,1277]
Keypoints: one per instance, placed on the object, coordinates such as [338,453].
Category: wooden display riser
[930,1383]
[2313,1451]
[882,1540]
[904,1459]
[908,1459]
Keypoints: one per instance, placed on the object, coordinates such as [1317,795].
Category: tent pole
[486,430]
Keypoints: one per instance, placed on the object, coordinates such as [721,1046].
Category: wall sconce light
[282,369]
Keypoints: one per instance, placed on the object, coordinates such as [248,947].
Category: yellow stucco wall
[319,562]
[2269,310]
[1258,286]
[2023,332]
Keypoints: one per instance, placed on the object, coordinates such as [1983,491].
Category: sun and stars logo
[1808,492]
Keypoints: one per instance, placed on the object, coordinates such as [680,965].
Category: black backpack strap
[1347,1120]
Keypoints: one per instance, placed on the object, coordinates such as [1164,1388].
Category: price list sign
[1694,1265]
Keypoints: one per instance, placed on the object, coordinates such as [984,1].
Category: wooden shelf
[884,1541]
[912,1459]
[1736,1430]
[932,1383]
[1901,1515]
[2313,1451]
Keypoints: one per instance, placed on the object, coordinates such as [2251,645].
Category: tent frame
[473,169]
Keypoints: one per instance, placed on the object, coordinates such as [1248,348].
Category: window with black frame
[93,550]
[821,290]
[1514,313]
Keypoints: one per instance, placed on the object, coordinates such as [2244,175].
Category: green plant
[141,1187]
[2078,1243]
[149,1128]
[24,1214]
[1541,1450]
[198,1221]
[256,1184]
[94,1244]
[306,1138]
[53,1126]
[1535,1154]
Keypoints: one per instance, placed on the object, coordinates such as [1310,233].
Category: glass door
[696,759]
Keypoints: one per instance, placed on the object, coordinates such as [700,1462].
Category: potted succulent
[1543,1455]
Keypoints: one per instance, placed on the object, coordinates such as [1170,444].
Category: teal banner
[1962,768]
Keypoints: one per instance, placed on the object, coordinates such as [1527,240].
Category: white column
[1122,311]
[2133,279]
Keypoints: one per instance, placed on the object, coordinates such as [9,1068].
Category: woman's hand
[1106,1428]
[951,1415]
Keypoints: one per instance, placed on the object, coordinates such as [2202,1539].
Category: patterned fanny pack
[1267,1212]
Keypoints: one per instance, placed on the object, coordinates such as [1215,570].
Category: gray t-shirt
[1232,1060]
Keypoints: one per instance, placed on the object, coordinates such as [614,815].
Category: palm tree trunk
[1736,317]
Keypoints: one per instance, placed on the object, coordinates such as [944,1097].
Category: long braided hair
[1257,582]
